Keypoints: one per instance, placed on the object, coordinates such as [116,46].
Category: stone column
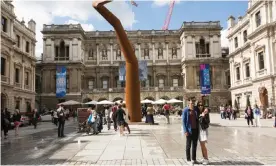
[194,52]
[167,52]
[153,52]
[98,55]
[71,49]
[11,69]
[23,77]
[211,49]
[111,53]
[139,51]
[52,57]
[268,54]
[242,72]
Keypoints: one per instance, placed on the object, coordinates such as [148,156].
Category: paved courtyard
[146,145]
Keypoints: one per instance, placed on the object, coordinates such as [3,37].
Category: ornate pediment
[259,47]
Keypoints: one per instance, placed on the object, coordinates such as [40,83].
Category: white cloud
[224,40]
[86,27]
[44,12]
[160,3]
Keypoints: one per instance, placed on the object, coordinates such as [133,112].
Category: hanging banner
[122,72]
[205,79]
[143,71]
[61,81]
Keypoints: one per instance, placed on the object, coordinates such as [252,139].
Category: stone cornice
[253,7]
[237,29]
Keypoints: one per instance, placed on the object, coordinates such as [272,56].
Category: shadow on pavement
[228,162]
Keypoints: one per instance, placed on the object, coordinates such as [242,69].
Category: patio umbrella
[174,101]
[93,102]
[105,102]
[70,102]
[119,101]
[146,101]
[160,101]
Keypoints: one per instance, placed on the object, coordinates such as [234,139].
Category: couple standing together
[196,121]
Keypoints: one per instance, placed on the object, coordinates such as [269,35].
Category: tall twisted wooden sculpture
[132,90]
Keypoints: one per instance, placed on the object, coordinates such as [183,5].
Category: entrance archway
[4,101]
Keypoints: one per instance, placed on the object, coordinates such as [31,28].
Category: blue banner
[61,81]
[205,79]
[143,71]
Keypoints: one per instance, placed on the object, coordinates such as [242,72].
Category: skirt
[149,119]
[203,134]
[16,123]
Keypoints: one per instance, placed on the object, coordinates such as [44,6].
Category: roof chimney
[231,21]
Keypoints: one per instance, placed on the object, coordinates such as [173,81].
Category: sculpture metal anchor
[132,90]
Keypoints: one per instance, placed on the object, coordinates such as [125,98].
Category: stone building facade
[252,55]
[17,61]
[93,58]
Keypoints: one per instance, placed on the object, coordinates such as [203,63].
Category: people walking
[190,117]
[114,119]
[5,122]
[167,109]
[61,120]
[229,112]
[204,121]
[17,121]
[249,115]
[91,120]
[107,116]
[221,108]
[257,116]
[55,115]
[35,117]
[150,112]
[120,113]
[125,123]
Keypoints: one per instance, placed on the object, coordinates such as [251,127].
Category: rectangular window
[247,70]
[245,36]
[17,104]
[238,73]
[261,60]
[17,74]
[4,22]
[18,41]
[147,83]
[90,84]
[161,83]
[236,42]
[27,46]
[26,78]
[118,83]
[258,19]
[3,66]
[104,84]
[175,82]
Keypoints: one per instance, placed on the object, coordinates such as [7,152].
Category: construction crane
[169,15]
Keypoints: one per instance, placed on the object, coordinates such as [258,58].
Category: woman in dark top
[120,113]
[249,115]
[17,121]
[5,122]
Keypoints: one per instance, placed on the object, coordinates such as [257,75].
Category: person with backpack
[114,119]
[204,121]
[61,120]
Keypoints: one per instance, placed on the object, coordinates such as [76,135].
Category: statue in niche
[174,54]
[118,54]
[146,53]
[160,53]
[104,54]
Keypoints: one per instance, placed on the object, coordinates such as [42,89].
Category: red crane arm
[169,15]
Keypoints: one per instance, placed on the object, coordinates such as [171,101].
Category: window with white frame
[90,84]
[238,75]
[247,70]
[105,82]
[175,82]
[261,60]
[258,19]
[161,83]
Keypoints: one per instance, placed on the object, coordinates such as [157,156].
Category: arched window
[202,49]
[61,51]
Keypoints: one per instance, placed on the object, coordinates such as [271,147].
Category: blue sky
[148,15]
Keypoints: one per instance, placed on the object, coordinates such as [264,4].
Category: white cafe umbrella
[119,101]
[160,101]
[93,102]
[146,101]
[70,102]
[105,102]
[174,101]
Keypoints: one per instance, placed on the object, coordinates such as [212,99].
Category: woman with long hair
[150,112]
[204,121]
[17,121]
[249,115]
